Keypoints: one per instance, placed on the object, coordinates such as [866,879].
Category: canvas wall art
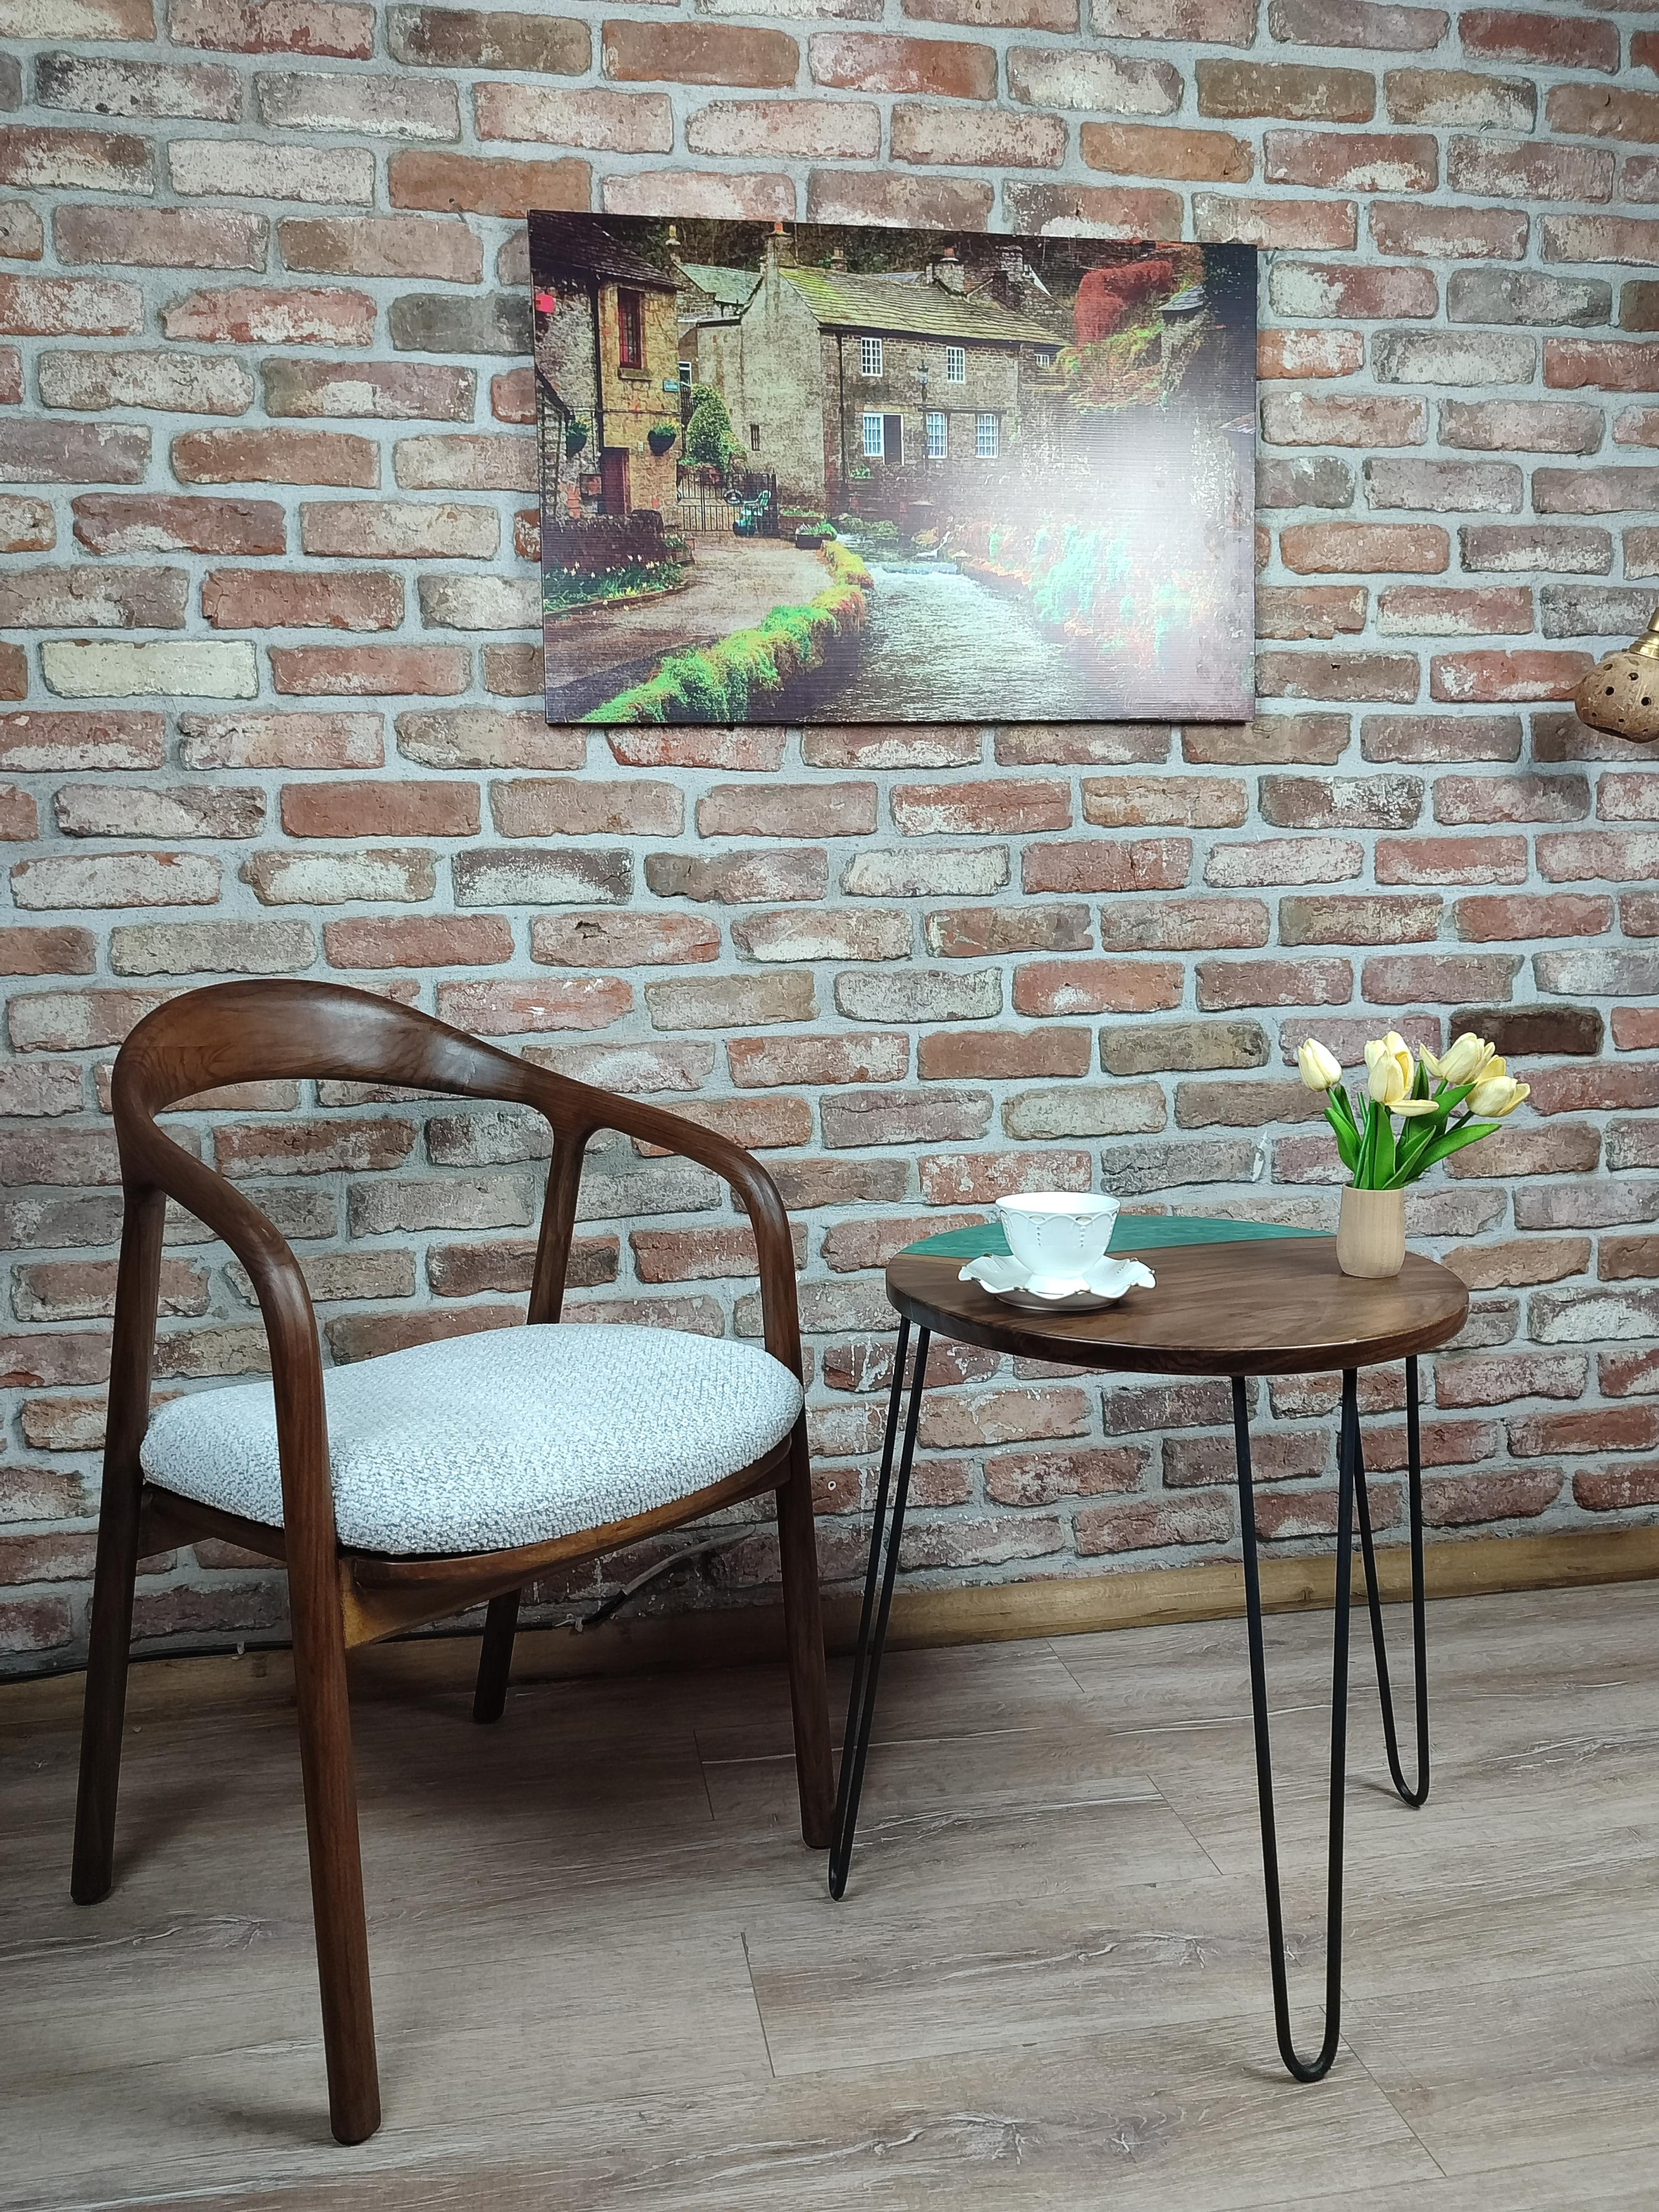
[813,474]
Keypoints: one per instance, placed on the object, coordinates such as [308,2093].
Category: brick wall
[271,679]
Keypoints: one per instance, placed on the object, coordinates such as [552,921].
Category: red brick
[1516,168]
[253,314]
[1456,234]
[1153,1524]
[1617,1489]
[1459,99]
[264,740]
[1359,160]
[167,237]
[1307,418]
[1532,920]
[341,27]
[852,195]
[1600,238]
[479,940]
[983,15]
[813,130]
[1496,676]
[1428,610]
[478,462]
[82,161]
[1364,548]
[1219,220]
[253,598]
[1137,149]
[1223,985]
[1508,34]
[468,184]
[258,456]
[1270,740]
[34,451]
[1226,22]
[1091,987]
[861,61]
[349,671]
[158,522]
[978,932]
[47,952]
[1285,860]
[13,672]
[1606,364]
[1365,918]
[1093,210]
[961,137]
[574,807]
[69,306]
[1298,90]
[1595,491]
[1311,287]
[45,598]
[1309,353]
[1338,675]
[554,1002]
[1096,865]
[381,245]
[1439,979]
[596,939]
[400,809]
[1571,549]
[1457,1501]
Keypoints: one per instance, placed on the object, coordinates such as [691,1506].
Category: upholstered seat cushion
[479,1442]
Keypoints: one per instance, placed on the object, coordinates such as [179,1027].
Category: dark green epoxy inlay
[1131,1233]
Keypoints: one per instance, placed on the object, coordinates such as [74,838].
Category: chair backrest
[264,1031]
[260,1031]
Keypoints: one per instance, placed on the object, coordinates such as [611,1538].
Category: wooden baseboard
[1072,1605]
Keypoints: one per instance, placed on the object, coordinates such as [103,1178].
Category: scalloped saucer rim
[1006,1278]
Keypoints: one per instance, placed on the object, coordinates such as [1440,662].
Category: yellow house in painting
[607,370]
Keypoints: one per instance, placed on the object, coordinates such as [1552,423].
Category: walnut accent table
[1235,1300]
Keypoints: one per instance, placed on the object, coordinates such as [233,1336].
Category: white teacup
[1058,1233]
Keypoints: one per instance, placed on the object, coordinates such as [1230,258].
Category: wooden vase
[1370,1234]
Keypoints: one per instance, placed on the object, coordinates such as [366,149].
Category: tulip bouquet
[1442,1105]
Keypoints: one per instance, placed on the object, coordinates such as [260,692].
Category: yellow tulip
[1391,1050]
[1321,1070]
[1386,1080]
[1495,1095]
[1464,1062]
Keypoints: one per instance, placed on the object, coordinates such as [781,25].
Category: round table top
[1272,1308]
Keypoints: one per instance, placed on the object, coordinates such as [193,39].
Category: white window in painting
[985,437]
[939,434]
[872,445]
[955,364]
[869,356]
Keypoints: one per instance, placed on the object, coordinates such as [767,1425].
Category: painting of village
[813,474]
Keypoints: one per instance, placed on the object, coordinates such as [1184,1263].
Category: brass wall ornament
[1620,695]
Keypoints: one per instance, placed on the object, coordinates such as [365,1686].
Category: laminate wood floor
[607,1978]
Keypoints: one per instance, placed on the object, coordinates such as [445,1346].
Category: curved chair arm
[556,1096]
[151,1161]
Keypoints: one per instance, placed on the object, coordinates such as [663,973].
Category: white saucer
[1007,1279]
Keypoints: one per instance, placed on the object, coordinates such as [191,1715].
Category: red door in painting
[613,480]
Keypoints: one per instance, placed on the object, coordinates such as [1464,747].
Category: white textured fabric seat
[508,1437]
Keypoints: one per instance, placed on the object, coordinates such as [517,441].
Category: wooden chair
[345,1592]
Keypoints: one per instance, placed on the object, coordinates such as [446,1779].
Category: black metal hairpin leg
[1348,1465]
[872,1620]
[1417,1794]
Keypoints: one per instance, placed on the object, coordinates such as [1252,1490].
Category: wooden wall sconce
[1620,695]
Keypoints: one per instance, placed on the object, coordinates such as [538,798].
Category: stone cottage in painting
[606,339]
[873,390]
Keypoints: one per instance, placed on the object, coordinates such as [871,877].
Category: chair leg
[336,1873]
[495,1657]
[117,1568]
[104,1709]
[809,1691]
